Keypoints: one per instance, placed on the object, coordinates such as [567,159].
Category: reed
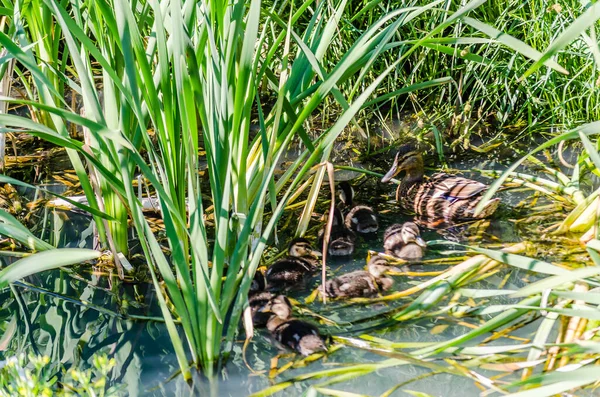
[161,82]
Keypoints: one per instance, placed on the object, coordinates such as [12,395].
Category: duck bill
[316,254]
[392,172]
[420,242]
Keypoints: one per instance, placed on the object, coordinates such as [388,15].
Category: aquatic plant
[562,353]
[485,76]
[179,79]
[30,376]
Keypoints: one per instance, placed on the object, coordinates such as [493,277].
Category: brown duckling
[293,270]
[361,283]
[404,241]
[441,196]
[342,239]
[298,335]
[257,301]
[361,219]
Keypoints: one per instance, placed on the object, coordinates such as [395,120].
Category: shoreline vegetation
[197,138]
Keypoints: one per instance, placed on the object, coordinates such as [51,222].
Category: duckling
[258,282]
[361,219]
[342,239]
[404,241]
[298,335]
[294,269]
[257,301]
[361,283]
[441,196]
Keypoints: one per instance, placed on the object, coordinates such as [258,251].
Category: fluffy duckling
[342,239]
[298,335]
[257,301]
[293,270]
[361,219]
[361,283]
[404,241]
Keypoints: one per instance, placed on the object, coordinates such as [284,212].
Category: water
[70,333]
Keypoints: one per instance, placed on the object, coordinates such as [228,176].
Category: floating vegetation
[194,197]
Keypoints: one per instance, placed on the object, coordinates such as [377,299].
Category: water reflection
[73,315]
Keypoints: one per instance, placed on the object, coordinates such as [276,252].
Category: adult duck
[443,195]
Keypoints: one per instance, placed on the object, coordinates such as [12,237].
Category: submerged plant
[178,96]
[180,78]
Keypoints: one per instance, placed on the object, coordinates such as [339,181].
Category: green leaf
[585,20]
[46,260]
[555,281]
[513,43]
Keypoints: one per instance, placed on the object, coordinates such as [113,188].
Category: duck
[443,195]
[361,283]
[298,335]
[361,219]
[256,301]
[404,241]
[342,240]
[293,270]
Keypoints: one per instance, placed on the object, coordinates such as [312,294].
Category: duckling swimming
[361,283]
[257,301]
[361,219]
[294,269]
[404,241]
[298,335]
[342,239]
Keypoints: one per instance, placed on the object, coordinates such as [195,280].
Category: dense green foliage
[173,92]
[486,76]
[31,377]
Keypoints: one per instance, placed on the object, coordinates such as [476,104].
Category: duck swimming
[361,219]
[404,241]
[293,270]
[361,283]
[298,335]
[441,196]
[342,240]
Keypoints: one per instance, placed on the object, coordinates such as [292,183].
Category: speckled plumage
[342,240]
[361,283]
[441,196]
[298,335]
[404,241]
[293,270]
[257,301]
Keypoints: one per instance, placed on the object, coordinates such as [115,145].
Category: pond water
[57,324]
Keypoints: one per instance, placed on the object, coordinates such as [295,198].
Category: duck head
[301,247]
[378,267]
[346,193]
[410,234]
[310,344]
[407,159]
[280,306]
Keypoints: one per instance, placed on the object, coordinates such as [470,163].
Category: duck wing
[453,188]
